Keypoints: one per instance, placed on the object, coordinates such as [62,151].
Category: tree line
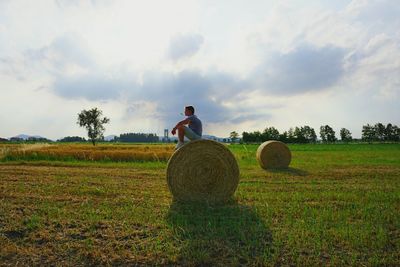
[31,139]
[125,138]
[306,134]
[137,138]
[380,132]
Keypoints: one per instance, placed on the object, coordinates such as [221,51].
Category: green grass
[335,205]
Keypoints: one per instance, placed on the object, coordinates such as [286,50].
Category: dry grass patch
[87,152]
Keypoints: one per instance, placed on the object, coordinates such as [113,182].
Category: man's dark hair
[191,108]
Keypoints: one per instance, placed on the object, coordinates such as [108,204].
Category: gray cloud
[306,68]
[92,87]
[182,46]
[174,91]
[75,72]
[249,116]
[69,49]
[62,55]
[381,14]
[170,91]
[12,67]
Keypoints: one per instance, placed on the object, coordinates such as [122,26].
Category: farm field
[72,204]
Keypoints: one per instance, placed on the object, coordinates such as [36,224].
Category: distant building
[165,139]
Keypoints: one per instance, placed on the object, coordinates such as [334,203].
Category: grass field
[335,205]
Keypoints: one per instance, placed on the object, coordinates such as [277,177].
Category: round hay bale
[273,155]
[202,170]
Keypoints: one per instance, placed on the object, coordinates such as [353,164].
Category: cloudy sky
[244,65]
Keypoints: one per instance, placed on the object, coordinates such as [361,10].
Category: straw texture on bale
[202,170]
[273,155]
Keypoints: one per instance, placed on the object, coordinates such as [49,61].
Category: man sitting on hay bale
[193,132]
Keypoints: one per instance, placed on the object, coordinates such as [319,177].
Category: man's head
[189,110]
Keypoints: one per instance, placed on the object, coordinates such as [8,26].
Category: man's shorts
[190,134]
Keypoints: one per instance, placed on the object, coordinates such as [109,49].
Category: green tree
[368,133]
[257,136]
[379,131]
[309,134]
[327,134]
[234,136]
[283,137]
[345,135]
[270,133]
[396,132]
[299,135]
[390,132]
[246,137]
[93,122]
[290,136]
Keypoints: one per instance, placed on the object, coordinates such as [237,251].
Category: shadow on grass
[290,171]
[229,234]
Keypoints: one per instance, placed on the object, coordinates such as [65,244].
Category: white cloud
[184,45]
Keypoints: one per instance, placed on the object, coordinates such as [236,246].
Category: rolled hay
[202,170]
[273,155]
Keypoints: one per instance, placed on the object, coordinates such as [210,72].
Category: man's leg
[185,131]
[190,134]
[181,133]
[181,136]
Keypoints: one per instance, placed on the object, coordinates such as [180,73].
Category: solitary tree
[92,121]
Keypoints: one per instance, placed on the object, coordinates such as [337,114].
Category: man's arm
[181,123]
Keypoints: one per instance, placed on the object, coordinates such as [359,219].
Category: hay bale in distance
[202,170]
[273,155]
